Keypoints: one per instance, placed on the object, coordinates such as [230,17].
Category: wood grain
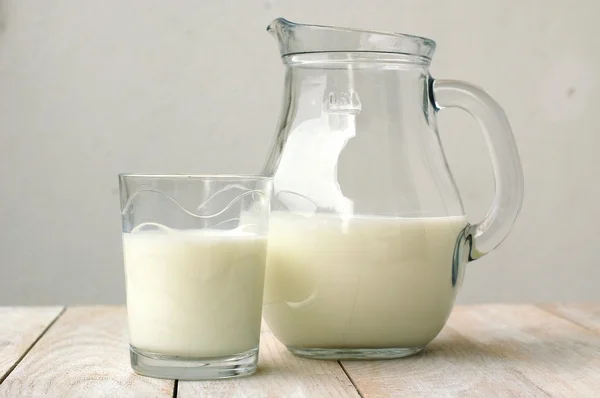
[586,315]
[84,354]
[558,356]
[450,366]
[280,374]
[487,350]
[19,330]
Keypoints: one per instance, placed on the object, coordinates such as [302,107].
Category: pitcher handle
[496,225]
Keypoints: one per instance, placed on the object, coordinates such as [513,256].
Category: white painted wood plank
[20,327]
[451,366]
[558,356]
[280,374]
[84,354]
[586,315]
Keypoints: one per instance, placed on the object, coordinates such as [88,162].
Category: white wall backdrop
[89,89]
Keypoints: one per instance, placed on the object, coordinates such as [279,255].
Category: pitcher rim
[425,46]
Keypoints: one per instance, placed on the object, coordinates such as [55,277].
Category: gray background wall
[91,89]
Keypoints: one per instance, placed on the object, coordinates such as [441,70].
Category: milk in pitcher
[364,282]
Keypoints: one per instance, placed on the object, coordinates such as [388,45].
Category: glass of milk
[194,250]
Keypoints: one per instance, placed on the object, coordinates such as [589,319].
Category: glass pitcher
[368,237]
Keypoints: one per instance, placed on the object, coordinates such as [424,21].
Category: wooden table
[487,350]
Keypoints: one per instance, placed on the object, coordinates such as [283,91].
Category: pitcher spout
[282,30]
[276,27]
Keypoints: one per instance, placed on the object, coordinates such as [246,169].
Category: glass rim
[254,177]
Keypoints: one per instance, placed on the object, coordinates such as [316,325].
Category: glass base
[354,353]
[183,368]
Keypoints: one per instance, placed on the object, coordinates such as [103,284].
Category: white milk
[364,283]
[194,293]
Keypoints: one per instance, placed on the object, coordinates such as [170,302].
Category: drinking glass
[195,252]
